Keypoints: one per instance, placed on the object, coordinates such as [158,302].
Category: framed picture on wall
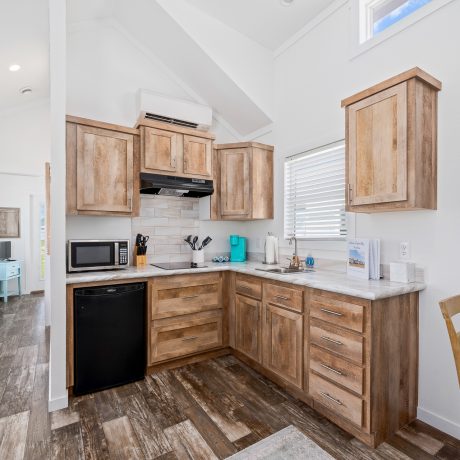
[9,223]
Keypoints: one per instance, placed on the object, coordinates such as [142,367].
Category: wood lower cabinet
[248,331]
[186,314]
[244,178]
[283,343]
[184,335]
[173,150]
[391,143]
[102,168]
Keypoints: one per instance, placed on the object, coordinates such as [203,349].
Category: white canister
[198,257]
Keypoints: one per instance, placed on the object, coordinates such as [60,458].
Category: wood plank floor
[208,410]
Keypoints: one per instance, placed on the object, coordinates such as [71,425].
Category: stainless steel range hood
[158,184]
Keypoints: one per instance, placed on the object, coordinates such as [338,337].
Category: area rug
[288,443]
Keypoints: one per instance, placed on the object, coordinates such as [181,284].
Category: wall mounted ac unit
[167,109]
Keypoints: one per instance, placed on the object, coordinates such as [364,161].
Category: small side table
[9,270]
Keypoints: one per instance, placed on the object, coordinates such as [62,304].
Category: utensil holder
[139,261]
[198,257]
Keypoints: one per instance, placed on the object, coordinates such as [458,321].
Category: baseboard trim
[58,403]
[441,423]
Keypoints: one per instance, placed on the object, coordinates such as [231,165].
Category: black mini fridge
[109,336]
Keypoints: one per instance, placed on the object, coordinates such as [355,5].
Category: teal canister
[237,248]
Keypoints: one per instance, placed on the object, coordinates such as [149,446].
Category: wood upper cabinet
[244,178]
[197,156]
[102,168]
[248,327]
[159,152]
[173,150]
[283,343]
[391,144]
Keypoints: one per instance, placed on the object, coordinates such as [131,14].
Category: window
[314,207]
[377,20]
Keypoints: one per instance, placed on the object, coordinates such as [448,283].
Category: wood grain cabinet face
[197,156]
[283,343]
[105,170]
[235,183]
[391,142]
[159,150]
[378,147]
[247,327]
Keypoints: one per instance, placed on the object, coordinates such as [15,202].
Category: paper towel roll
[271,249]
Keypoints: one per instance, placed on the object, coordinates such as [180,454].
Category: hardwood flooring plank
[18,391]
[25,356]
[121,439]
[218,407]
[43,347]
[420,439]
[408,448]
[67,443]
[92,433]
[10,347]
[14,436]
[151,438]
[448,452]
[39,432]
[188,443]
[445,438]
[63,417]
[40,390]
[247,441]
[108,405]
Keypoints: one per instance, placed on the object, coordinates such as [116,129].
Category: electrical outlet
[404,250]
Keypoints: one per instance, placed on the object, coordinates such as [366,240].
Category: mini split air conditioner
[159,107]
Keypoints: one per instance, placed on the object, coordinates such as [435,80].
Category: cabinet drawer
[337,400]
[337,369]
[12,270]
[176,337]
[341,313]
[182,295]
[344,343]
[286,297]
[248,286]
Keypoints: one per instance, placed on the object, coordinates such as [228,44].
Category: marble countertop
[328,280]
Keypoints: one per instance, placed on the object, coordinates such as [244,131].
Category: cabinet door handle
[189,338]
[350,196]
[340,403]
[281,297]
[330,312]
[331,369]
[331,340]
[130,204]
[190,297]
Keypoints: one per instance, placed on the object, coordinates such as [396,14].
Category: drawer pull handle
[331,340]
[330,312]
[189,338]
[340,403]
[281,297]
[331,369]
[190,297]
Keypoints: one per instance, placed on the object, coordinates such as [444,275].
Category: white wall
[24,149]
[311,78]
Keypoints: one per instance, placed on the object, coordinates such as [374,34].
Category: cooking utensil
[205,242]
[187,240]
[195,239]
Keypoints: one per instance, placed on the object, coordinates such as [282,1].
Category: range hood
[158,184]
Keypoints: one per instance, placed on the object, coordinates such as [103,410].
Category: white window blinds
[314,195]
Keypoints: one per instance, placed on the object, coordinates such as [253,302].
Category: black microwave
[87,255]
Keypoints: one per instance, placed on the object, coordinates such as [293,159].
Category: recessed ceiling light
[14,67]
[286,2]
[26,90]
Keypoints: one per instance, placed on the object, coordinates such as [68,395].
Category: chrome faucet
[294,261]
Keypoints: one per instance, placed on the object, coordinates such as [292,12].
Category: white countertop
[327,280]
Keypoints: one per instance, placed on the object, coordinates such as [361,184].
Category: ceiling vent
[166,109]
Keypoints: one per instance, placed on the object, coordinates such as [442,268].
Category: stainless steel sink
[285,271]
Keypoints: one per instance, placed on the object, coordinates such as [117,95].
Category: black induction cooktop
[178,265]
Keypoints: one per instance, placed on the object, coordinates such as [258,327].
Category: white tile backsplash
[167,221]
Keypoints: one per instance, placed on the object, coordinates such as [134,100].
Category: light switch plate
[404,250]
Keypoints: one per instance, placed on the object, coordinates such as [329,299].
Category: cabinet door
[197,156]
[283,343]
[247,327]
[105,170]
[377,143]
[159,150]
[235,183]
